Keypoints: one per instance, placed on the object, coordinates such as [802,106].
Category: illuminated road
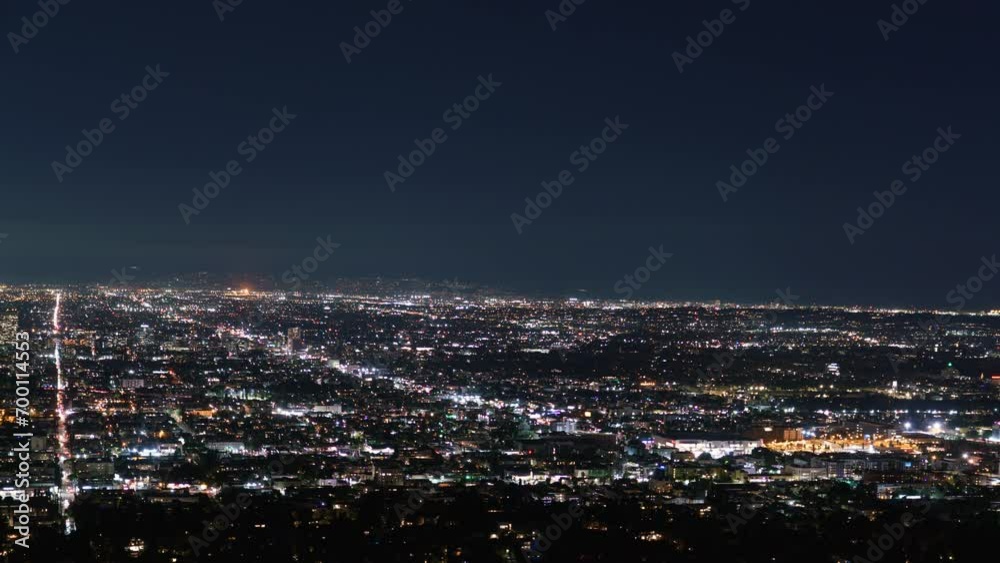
[67,491]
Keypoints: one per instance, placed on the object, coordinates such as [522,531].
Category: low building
[714,444]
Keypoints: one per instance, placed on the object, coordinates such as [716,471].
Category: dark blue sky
[655,185]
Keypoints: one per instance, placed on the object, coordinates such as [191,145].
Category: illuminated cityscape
[447,422]
[556,281]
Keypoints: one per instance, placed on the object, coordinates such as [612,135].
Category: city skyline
[240,425]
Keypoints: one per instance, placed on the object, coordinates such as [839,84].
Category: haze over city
[656,185]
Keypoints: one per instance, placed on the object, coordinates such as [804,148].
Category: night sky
[655,185]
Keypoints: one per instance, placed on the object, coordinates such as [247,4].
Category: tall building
[8,327]
[295,339]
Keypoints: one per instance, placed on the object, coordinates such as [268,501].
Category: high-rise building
[8,327]
[295,339]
